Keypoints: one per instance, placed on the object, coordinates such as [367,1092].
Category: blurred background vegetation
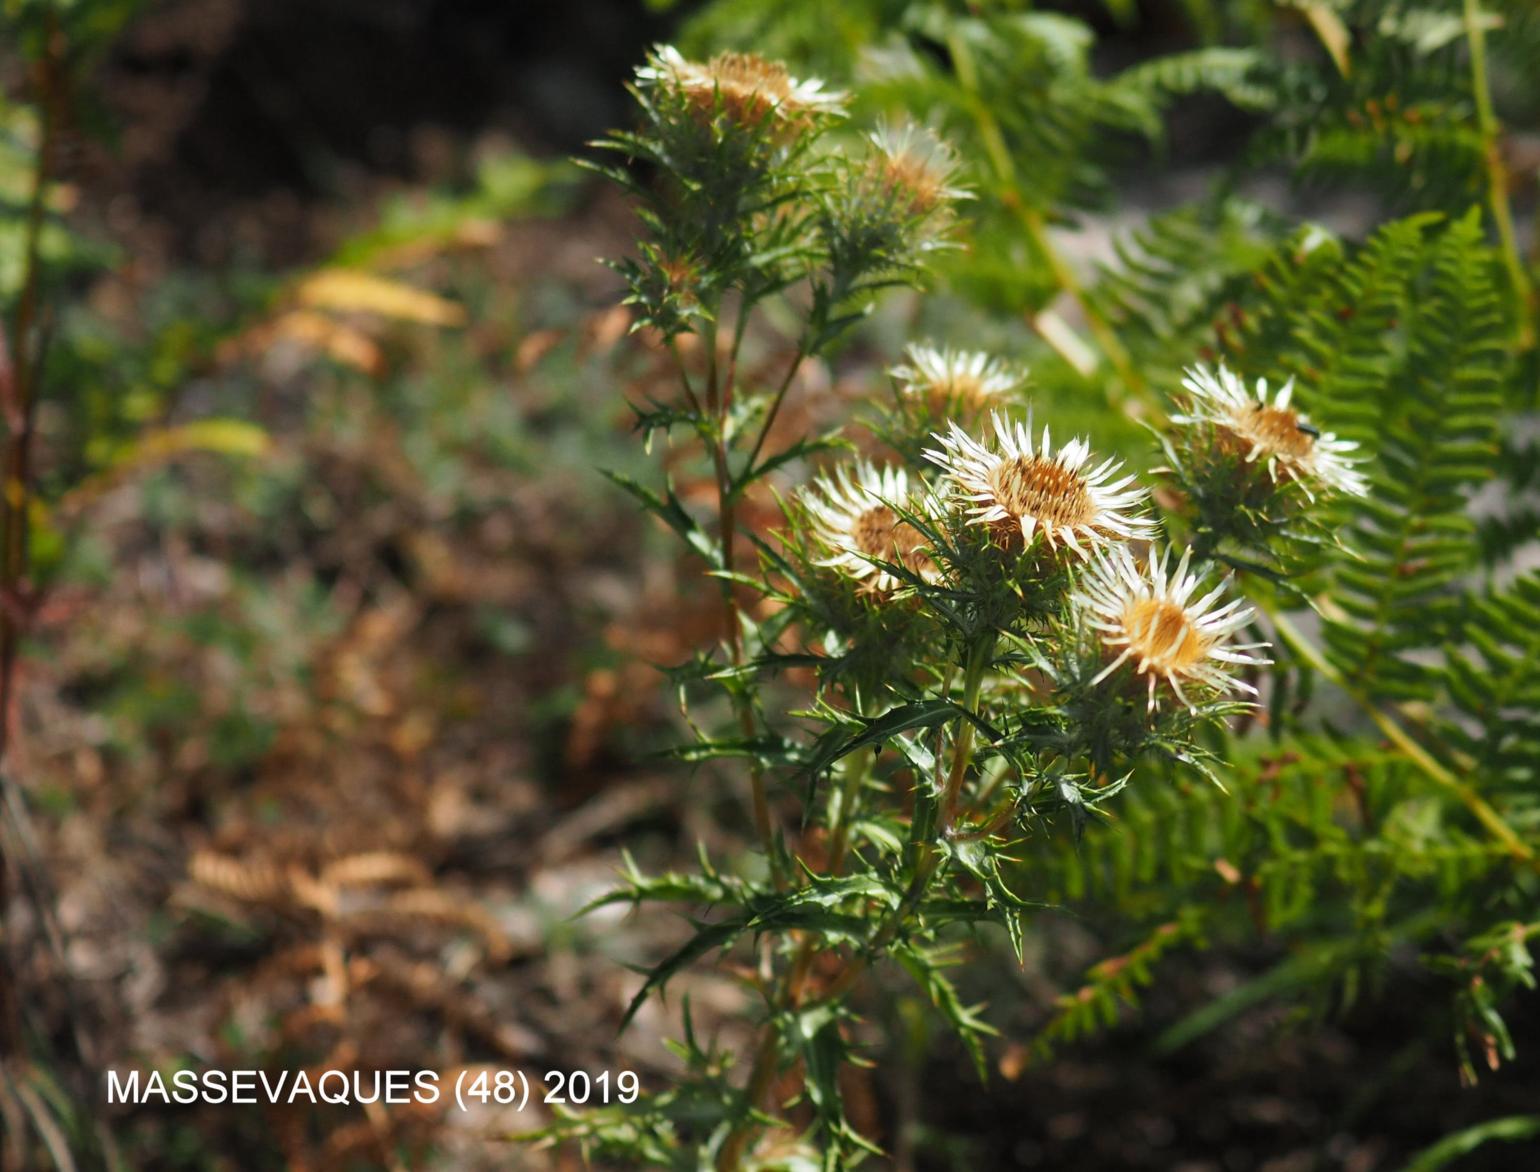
[333,697]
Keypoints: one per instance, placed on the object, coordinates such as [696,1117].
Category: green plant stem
[762,1073]
[925,871]
[764,1067]
[1404,742]
[730,382]
[763,826]
[721,398]
[716,404]
[765,1057]
[998,818]
[775,404]
[685,385]
[1497,172]
[727,498]
[991,782]
[979,656]
[754,1092]
[858,766]
[718,399]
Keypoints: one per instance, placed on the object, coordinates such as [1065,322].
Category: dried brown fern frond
[258,881]
[376,869]
[407,911]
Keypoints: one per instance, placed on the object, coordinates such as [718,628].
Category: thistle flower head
[946,380]
[1146,615]
[746,88]
[914,168]
[1271,431]
[886,210]
[853,515]
[1014,484]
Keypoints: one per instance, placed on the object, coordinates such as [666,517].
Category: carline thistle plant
[1252,465]
[856,513]
[1011,484]
[998,637]
[1146,613]
[1270,432]
[954,384]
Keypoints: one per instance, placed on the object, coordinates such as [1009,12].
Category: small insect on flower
[853,515]
[914,169]
[949,380]
[746,88]
[1033,489]
[1270,431]
[1148,617]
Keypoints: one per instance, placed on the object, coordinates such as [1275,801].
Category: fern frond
[1494,682]
[1177,277]
[1432,426]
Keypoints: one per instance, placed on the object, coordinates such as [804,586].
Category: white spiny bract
[746,87]
[853,515]
[1147,615]
[917,165]
[1034,489]
[945,378]
[1270,431]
